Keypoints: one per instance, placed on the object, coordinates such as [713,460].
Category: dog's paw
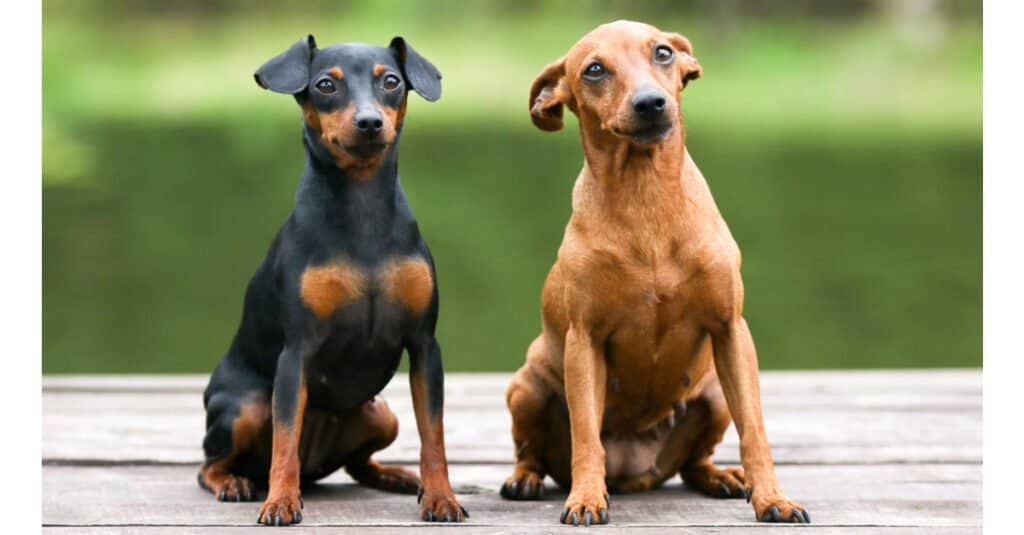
[441,508]
[716,482]
[281,510]
[778,508]
[235,489]
[523,485]
[398,479]
[587,504]
[228,487]
[386,478]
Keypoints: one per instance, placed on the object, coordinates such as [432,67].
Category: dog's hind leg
[377,427]
[711,414]
[685,448]
[330,440]
[236,424]
[534,431]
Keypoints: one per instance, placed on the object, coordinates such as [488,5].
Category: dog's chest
[403,282]
[369,310]
[651,364]
[655,348]
[666,284]
[653,283]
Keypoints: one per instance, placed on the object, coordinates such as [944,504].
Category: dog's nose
[649,104]
[369,123]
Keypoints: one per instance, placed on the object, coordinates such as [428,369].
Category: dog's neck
[343,195]
[621,169]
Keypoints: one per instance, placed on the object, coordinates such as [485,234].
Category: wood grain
[899,450]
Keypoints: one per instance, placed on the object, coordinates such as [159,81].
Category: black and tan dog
[347,285]
[645,357]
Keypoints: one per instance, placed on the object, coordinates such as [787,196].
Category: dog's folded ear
[288,72]
[688,66]
[421,75]
[548,96]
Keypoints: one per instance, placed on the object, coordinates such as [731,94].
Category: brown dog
[644,352]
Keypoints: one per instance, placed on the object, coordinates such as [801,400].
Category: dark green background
[842,142]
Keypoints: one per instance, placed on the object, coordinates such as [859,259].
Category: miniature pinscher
[347,284]
[645,357]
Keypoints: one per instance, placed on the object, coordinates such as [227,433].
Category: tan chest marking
[326,288]
[408,282]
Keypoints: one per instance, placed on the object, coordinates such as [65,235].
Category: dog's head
[353,96]
[624,79]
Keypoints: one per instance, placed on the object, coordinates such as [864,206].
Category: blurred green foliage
[843,146]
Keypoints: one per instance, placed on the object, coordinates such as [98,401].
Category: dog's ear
[548,97]
[688,66]
[422,76]
[288,72]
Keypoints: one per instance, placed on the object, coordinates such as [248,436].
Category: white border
[21,224]
[1003,274]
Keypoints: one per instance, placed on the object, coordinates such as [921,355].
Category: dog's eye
[663,54]
[391,82]
[325,86]
[595,71]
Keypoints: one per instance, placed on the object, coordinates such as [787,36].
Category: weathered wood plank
[812,417]
[502,530]
[934,381]
[931,496]
[928,423]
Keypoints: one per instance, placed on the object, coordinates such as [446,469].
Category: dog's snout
[649,104]
[369,122]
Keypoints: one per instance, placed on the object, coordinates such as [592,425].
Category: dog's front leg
[736,364]
[283,505]
[585,380]
[426,379]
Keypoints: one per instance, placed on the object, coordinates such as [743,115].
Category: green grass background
[844,150]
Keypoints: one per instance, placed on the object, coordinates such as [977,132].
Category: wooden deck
[899,450]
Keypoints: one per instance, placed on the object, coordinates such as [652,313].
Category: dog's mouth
[647,134]
[651,134]
[365,150]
